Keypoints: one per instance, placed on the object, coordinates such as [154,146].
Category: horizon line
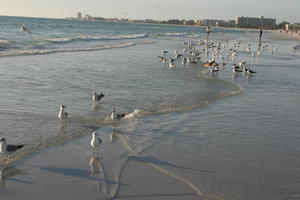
[128,18]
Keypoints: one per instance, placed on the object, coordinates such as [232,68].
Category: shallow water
[239,147]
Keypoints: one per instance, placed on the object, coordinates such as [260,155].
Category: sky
[282,10]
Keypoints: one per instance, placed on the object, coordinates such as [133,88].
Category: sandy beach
[114,172]
[200,134]
[277,35]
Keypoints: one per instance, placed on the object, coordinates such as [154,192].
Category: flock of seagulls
[95,141]
[242,68]
[8,149]
[199,52]
[192,53]
[62,114]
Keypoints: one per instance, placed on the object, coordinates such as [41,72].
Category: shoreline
[195,154]
[283,35]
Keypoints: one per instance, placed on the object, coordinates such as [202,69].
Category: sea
[233,136]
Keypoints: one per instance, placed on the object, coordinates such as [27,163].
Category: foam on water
[96,38]
[3,43]
[60,50]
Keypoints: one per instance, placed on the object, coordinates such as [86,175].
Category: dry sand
[276,35]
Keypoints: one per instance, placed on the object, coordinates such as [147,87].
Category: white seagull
[97,97]
[62,113]
[8,148]
[96,141]
[115,116]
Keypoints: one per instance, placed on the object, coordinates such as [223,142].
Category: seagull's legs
[8,159]
[96,151]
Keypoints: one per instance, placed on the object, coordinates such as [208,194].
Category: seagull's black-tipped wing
[99,97]
[119,116]
[12,148]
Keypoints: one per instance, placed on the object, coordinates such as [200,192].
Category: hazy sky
[155,9]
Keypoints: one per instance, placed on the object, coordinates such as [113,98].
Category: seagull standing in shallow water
[62,113]
[97,97]
[115,116]
[8,148]
[96,141]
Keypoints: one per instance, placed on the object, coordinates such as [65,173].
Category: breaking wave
[169,34]
[93,38]
[3,43]
[20,52]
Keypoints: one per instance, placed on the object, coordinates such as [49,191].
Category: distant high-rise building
[79,15]
[253,22]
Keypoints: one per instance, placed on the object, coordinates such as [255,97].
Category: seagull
[8,148]
[177,54]
[25,29]
[171,65]
[192,60]
[96,141]
[172,59]
[249,71]
[242,63]
[62,113]
[184,60]
[236,68]
[214,69]
[163,52]
[97,97]
[115,116]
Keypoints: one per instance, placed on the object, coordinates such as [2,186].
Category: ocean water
[233,137]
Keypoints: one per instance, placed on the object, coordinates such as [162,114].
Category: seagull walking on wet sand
[97,97]
[96,141]
[8,148]
[62,113]
[115,116]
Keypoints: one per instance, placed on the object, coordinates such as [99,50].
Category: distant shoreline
[285,35]
[282,35]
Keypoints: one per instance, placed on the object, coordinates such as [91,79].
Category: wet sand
[73,171]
